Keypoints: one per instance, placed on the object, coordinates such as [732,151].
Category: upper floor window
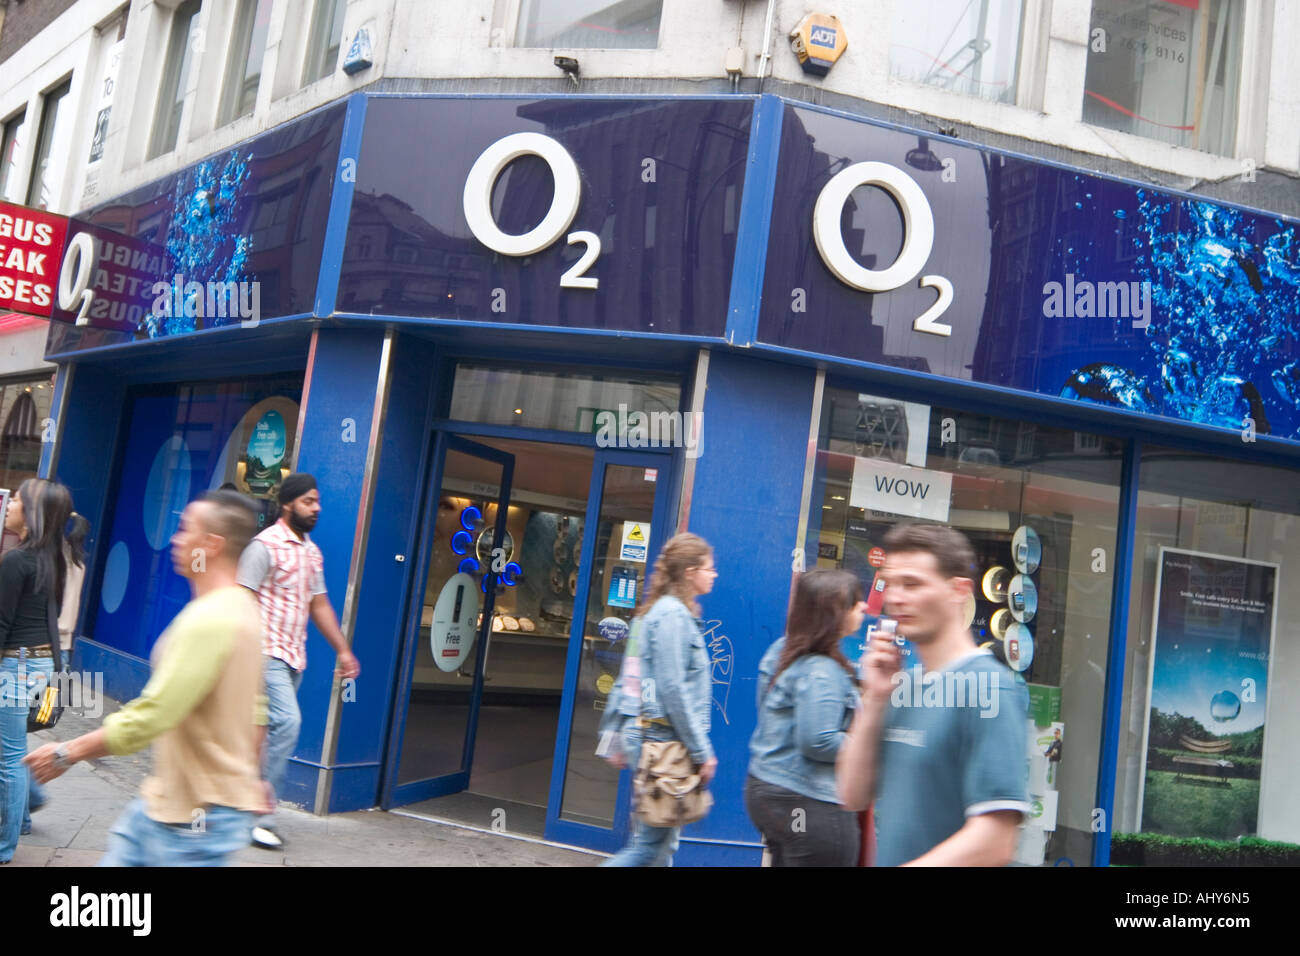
[176,70]
[971,48]
[244,66]
[50,160]
[326,37]
[589,24]
[1166,69]
[11,143]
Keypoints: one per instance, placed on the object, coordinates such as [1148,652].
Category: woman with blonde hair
[665,689]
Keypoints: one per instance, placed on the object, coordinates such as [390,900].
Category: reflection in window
[590,24]
[569,401]
[326,37]
[1167,71]
[24,409]
[171,93]
[51,150]
[882,461]
[11,143]
[244,67]
[971,48]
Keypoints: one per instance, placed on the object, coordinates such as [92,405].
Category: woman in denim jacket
[806,699]
[664,690]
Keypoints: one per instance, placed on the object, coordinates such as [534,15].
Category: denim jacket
[802,721]
[666,675]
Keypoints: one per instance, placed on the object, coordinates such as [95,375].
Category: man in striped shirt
[287,572]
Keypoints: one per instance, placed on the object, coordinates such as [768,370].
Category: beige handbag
[669,790]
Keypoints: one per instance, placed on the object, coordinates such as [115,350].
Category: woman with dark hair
[32,578]
[806,699]
[665,690]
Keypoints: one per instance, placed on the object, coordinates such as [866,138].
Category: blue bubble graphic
[117,571]
[1225,706]
[166,492]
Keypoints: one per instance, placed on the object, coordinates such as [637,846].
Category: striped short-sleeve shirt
[286,572]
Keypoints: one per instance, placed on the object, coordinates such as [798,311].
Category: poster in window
[258,453]
[1212,640]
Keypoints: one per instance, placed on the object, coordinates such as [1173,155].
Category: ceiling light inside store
[519,411]
[837,497]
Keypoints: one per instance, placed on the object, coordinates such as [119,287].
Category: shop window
[1207,734]
[1166,69]
[589,24]
[325,40]
[179,441]
[50,159]
[971,48]
[244,66]
[11,144]
[175,78]
[571,401]
[1041,517]
[24,409]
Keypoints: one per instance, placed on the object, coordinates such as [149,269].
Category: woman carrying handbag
[32,578]
[659,708]
[806,700]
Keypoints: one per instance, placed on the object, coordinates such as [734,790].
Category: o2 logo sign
[74,277]
[918,238]
[477,201]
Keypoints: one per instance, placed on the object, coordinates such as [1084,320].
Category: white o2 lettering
[925,322]
[477,203]
[74,277]
[918,238]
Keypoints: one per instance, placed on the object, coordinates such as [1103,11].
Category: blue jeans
[283,720]
[139,840]
[648,846]
[21,679]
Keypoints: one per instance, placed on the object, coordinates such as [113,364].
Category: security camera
[570,67]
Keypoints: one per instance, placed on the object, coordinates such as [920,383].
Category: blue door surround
[394,793]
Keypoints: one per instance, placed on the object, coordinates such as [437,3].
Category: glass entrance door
[589,800]
[465,551]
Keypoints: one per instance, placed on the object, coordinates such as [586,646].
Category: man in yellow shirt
[203,709]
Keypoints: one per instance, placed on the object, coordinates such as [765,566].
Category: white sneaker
[266,838]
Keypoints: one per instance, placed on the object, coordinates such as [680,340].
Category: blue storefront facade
[438,305]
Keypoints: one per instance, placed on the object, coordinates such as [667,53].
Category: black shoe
[267,838]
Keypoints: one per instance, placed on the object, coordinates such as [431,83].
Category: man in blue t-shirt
[939,742]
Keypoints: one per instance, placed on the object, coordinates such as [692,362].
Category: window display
[1205,736]
[1039,506]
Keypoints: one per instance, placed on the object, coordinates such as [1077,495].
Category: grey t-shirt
[255,565]
[953,746]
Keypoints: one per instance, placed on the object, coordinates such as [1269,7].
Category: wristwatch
[61,760]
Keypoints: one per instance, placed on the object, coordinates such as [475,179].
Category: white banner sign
[880,485]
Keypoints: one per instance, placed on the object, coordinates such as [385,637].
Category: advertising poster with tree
[1212,641]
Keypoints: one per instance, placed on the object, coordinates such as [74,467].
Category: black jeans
[801,831]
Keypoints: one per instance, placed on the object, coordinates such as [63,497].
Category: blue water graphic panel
[1065,284]
[252,214]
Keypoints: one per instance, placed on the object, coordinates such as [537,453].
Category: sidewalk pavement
[72,828]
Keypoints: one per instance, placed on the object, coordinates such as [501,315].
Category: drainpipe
[767,44]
